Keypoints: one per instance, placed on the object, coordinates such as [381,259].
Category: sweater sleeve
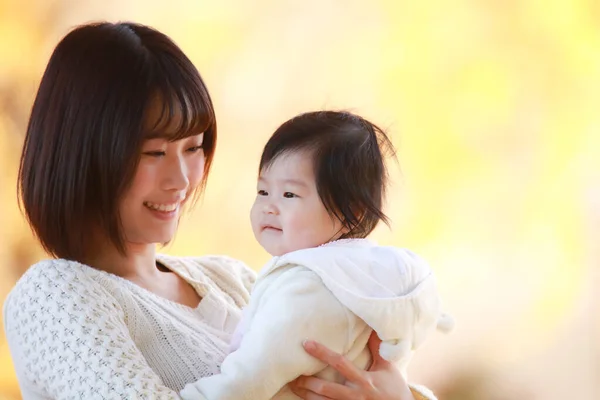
[69,340]
[295,307]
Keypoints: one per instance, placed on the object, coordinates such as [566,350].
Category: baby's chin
[275,252]
[278,252]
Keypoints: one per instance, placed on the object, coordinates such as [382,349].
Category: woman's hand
[383,381]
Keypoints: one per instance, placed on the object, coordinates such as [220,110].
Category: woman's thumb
[378,361]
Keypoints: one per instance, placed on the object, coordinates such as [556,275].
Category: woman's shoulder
[53,273]
[230,275]
[219,265]
[55,281]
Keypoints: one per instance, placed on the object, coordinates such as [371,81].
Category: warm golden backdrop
[493,105]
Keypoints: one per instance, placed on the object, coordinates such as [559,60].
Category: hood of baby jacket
[392,289]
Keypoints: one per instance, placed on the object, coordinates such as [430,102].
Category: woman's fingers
[378,361]
[336,361]
[298,391]
[314,396]
[384,381]
[297,387]
[310,388]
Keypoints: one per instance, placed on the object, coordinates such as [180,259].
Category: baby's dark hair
[348,161]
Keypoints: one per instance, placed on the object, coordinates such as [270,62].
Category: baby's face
[288,214]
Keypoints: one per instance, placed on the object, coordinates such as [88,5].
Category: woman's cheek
[196,170]
[144,178]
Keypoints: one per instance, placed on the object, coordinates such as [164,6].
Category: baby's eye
[263,193]
[289,195]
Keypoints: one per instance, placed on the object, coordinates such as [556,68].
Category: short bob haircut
[348,154]
[87,127]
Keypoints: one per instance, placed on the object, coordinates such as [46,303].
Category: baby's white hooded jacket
[335,294]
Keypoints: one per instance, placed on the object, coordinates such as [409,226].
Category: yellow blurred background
[494,108]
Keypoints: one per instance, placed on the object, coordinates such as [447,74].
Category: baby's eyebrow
[289,181]
[296,182]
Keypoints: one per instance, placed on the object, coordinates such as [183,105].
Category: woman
[121,136]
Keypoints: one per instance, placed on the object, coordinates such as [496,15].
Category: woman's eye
[195,149]
[263,193]
[157,153]
[289,195]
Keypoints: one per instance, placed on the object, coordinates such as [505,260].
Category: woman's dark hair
[348,161]
[89,121]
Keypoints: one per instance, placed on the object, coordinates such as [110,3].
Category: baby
[321,186]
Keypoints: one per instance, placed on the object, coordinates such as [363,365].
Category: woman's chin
[164,239]
[159,239]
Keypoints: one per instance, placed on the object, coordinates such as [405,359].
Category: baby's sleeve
[296,307]
[421,392]
[68,340]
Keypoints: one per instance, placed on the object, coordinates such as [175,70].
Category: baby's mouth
[271,228]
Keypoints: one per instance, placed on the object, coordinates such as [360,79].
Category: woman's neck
[138,264]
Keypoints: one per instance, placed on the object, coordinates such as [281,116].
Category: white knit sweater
[79,333]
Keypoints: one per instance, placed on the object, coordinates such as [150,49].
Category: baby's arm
[296,307]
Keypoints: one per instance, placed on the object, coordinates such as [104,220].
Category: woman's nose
[177,175]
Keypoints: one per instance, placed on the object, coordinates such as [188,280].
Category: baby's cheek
[309,238]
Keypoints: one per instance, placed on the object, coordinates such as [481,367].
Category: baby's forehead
[292,169]
[293,156]
[297,162]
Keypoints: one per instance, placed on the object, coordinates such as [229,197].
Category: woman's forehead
[160,117]
[167,119]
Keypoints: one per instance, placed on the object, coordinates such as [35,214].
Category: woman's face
[168,172]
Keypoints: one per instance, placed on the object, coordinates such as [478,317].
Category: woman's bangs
[182,114]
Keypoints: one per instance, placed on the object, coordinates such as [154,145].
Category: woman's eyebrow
[157,135]
[165,135]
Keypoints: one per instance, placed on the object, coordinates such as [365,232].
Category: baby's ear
[359,214]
